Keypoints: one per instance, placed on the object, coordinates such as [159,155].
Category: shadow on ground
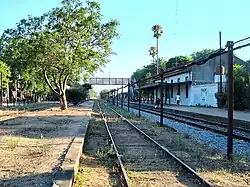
[33,180]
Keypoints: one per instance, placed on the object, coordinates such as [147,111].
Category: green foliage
[5,71]
[60,45]
[76,95]
[221,99]
[145,72]
[103,94]
[201,54]
[150,70]
[92,94]
[241,90]
[177,61]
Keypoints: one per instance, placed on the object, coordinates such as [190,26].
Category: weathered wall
[206,72]
[204,95]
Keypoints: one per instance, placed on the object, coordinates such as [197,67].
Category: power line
[247,38]
[200,61]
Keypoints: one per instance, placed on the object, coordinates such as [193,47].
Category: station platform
[241,118]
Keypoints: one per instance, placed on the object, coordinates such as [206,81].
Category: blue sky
[189,26]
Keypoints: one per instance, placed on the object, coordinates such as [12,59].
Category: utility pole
[117,98]
[122,96]
[161,92]
[220,64]
[128,94]
[230,96]
[139,108]
[158,31]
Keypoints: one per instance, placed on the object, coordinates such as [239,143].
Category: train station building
[196,85]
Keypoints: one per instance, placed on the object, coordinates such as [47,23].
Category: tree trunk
[63,102]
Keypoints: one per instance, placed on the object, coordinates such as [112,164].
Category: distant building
[196,85]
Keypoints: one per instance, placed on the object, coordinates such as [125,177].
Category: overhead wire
[241,40]
[200,61]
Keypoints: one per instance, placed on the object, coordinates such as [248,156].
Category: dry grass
[33,145]
[146,164]
[98,163]
[210,163]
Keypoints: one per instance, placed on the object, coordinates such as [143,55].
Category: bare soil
[34,144]
[210,163]
[98,166]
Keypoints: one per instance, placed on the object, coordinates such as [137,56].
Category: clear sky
[189,26]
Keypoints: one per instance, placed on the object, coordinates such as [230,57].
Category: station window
[187,91]
[186,78]
[172,81]
[178,80]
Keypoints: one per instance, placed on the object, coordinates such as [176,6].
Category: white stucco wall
[184,100]
[204,95]
[217,78]
[175,78]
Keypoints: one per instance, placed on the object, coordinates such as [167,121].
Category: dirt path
[33,145]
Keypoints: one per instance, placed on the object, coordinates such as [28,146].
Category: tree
[241,88]
[5,71]
[103,94]
[77,95]
[177,61]
[162,63]
[63,44]
[92,93]
[145,72]
[201,54]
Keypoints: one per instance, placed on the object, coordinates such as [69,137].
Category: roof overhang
[158,84]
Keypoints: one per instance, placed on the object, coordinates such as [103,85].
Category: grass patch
[11,142]
[107,156]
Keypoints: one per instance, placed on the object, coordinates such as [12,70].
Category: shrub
[76,95]
[221,99]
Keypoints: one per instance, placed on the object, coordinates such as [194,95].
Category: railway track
[239,132]
[138,152]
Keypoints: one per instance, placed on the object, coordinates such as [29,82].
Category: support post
[117,98]
[128,95]
[122,98]
[139,110]
[161,92]
[230,97]
[113,99]
[108,96]
[220,65]
[157,56]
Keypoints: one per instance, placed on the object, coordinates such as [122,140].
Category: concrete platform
[239,115]
[65,177]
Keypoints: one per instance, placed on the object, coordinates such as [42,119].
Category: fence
[142,92]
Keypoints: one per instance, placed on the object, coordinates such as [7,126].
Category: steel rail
[193,124]
[115,148]
[193,118]
[184,165]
